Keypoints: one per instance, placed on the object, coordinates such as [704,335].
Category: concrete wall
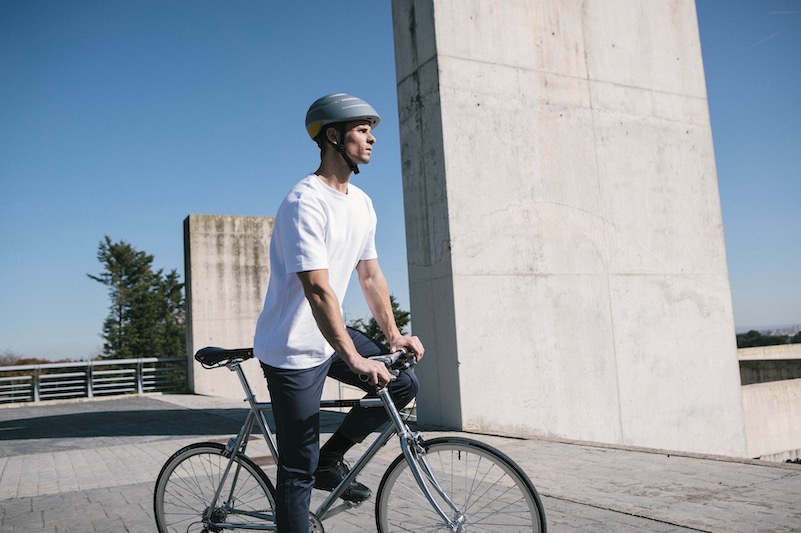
[770,363]
[773,419]
[227,266]
[770,353]
[566,257]
[773,409]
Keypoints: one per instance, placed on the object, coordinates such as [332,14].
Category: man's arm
[326,310]
[376,293]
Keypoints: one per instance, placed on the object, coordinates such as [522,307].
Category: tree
[8,358]
[757,338]
[371,329]
[146,316]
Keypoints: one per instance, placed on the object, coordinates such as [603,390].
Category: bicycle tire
[491,489]
[187,484]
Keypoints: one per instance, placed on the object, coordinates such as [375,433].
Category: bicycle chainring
[315,526]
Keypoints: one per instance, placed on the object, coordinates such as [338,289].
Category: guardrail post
[90,379]
[140,385]
[35,383]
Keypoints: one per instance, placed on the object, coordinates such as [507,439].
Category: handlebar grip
[389,360]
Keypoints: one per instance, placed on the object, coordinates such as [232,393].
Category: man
[325,228]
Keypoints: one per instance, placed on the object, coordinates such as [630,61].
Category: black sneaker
[328,477]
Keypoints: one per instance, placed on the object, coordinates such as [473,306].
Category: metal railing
[87,379]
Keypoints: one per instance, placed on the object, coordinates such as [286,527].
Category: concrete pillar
[227,269]
[565,244]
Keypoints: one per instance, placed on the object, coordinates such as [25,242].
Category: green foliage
[370,326]
[147,312]
[755,338]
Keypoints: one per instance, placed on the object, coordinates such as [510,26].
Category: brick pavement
[90,466]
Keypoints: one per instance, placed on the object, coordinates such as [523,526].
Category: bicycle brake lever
[365,378]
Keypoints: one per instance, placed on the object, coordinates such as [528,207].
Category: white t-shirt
[316,228]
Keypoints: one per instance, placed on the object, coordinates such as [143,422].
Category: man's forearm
[376,294]
[325,308]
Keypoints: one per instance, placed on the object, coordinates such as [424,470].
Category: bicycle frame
[409,443]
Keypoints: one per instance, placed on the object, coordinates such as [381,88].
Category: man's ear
[332,135]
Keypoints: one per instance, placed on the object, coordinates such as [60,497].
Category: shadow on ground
[141,418]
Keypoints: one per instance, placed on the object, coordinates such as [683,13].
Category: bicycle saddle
[212,355]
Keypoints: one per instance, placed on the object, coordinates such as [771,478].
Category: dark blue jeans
[295,395]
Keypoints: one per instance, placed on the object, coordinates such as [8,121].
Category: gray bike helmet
[339,108]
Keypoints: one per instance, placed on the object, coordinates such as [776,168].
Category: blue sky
[120,118]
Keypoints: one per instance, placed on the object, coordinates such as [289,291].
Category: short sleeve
[302,226]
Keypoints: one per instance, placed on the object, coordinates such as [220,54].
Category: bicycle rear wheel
[491,492]
[187,484]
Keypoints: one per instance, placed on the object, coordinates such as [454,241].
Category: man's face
[359,141]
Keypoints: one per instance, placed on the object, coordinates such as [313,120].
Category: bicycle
[442,484]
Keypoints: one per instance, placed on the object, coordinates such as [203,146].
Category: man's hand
[376,372]
[408,344]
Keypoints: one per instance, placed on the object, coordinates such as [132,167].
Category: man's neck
[335,175]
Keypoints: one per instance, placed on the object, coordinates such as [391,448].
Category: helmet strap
[353,167]
[340,147]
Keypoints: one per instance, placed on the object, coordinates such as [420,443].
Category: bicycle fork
[413,450]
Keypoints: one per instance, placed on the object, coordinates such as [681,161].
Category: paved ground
[90,466]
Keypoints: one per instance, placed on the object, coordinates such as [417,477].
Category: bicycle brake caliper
[230,447]
[418,442]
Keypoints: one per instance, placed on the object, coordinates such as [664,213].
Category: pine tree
[146,315]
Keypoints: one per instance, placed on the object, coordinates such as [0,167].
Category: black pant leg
[361,421]
[295,395]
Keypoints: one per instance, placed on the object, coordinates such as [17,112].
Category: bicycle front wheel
[189,480]
[489,491]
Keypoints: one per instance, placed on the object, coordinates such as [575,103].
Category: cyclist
[323,229]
